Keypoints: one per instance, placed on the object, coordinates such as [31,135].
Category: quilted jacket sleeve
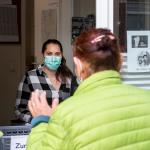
[46,136]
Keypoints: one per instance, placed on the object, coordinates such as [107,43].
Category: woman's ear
[78,66]
[81,68]
[77,62]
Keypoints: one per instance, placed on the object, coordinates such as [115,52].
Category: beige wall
[9,78]
[82,8]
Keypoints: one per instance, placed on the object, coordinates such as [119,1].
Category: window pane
[130,15]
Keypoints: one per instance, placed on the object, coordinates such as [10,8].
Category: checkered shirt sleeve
[23,95]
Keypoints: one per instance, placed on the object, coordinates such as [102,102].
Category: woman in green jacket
[103,114]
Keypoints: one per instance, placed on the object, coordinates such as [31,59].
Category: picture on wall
[10,21]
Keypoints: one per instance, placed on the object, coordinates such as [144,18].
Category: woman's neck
[49,72]
[52,77]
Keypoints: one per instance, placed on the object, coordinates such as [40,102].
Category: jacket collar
[99,79]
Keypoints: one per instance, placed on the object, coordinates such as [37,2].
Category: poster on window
[138,51]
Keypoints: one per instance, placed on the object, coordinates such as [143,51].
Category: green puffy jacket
[103,114]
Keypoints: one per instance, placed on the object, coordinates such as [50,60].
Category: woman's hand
[38,104]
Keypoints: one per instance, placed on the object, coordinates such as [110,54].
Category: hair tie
[99,38]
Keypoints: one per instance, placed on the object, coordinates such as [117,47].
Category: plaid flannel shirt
[37,79]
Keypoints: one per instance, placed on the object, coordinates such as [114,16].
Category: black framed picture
[10,21]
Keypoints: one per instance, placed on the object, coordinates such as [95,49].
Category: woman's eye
[57,53]
[49,54]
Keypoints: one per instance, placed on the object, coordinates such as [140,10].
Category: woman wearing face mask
[53,76]
[103,113]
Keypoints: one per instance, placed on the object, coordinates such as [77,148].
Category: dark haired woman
[53,76]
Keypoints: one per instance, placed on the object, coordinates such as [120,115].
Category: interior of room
[37,21]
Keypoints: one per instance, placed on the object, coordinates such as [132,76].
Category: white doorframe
[104,14]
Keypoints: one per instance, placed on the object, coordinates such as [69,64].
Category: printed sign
[18,142]
[138,51]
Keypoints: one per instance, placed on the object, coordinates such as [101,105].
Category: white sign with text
[18,142]
[138,51]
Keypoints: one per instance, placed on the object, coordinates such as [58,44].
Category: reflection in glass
[131,15]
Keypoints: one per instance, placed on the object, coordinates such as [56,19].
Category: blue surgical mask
[52,62]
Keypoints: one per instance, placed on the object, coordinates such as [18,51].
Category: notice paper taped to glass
[138,51]
[18,142]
